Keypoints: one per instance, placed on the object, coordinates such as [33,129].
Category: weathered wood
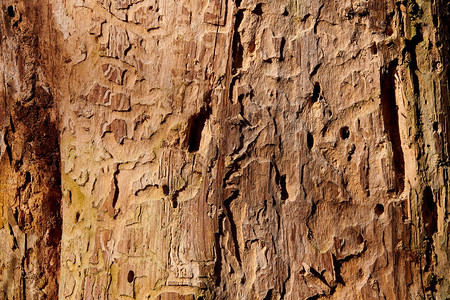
[224,149]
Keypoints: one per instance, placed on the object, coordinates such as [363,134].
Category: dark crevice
[27,178]
[284,192]
[165,189]
[218,250]
[258,9]
[233,227]
[280,180]
[238,52]
[238,19]
[314,71]
[316,93]
[337,270]
[338,263]
[282,45]
[435,21]
[351,151]
[175,195]
[11,124]
[11,232]
[269,295]
[116,188]
[379,209]
[285,281]
[319,276]
[309,140]
[8,150]
[429,212]
[428,254]
[390,120]
[360,239]
[435,126]
[432,285]
[237,48]
[196,123]
[373,48]
[313,209]
[319,12]
[11,12]
[344,132]
[232,169]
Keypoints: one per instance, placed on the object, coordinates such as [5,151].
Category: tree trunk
[224,149]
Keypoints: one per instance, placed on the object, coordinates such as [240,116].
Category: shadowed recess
[390,120]
[196,123]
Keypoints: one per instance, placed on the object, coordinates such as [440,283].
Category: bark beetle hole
[130,277]
[316,93]
[309,140]
[360,239]
[345,133]
[165,189]
[174,203]
[77,216]
[379,209]
[11,11]
[194,129]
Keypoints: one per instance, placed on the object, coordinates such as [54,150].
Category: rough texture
[30,189]
[224,149]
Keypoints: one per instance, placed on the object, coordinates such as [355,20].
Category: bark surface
[224,149]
